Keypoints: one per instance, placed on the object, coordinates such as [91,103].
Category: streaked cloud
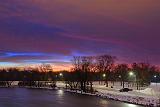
[37,31]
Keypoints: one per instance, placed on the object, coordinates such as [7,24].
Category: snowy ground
[146,96]
[61,84]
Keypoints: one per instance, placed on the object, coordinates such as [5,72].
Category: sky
[52,31]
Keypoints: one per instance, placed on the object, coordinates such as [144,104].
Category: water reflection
[60,92]
[103,102]
[131,105]
[111,103]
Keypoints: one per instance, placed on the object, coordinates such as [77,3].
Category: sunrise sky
[52,31]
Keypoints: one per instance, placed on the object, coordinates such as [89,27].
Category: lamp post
[132,74]
[61,76]
[120,78]
[155,76]
[104,77]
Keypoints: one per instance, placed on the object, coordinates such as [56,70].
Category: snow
[156,88]
[148,91]
[15,83]
[61,84]
[148,96]
[131,97]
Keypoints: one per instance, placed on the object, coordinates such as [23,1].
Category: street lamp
[131,73]
[61,75]
[104,75]
[155,76]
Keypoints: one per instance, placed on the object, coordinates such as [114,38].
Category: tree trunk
[106,83]
[123,84]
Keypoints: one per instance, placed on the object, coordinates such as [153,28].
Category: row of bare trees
[85,68]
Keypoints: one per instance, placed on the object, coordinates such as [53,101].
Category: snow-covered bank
[147,97]
[128,97]
[60,84]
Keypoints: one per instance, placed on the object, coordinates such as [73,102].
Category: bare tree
[105,64]
[142,72]
[82,65]
[46,68]
[87,65]
[75,79]
[122,71]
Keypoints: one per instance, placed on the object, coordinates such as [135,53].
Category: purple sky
[52,31]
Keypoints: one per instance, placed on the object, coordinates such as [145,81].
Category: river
[21,97]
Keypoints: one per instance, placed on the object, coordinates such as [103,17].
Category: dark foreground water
[21,97]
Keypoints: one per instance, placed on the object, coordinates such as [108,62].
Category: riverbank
[134,99]
[149,102]
[139,97]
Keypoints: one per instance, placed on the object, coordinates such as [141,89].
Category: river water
[21,97]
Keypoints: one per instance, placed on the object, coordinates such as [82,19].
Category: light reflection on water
[131,105]
[19,97]
[60,92]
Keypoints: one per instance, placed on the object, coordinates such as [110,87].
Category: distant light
[155,76]
[49,83]
[119,76]
[61,74]
[104,75]
[131,73]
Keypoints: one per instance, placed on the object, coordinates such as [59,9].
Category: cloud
[127,29]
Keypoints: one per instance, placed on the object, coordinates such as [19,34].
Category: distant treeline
[87,68]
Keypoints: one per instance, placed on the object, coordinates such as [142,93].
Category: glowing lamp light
[61,74]
[131,73]
[155,76]
[104,75]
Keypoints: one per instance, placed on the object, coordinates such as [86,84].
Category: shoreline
[109,97]
[126,99]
